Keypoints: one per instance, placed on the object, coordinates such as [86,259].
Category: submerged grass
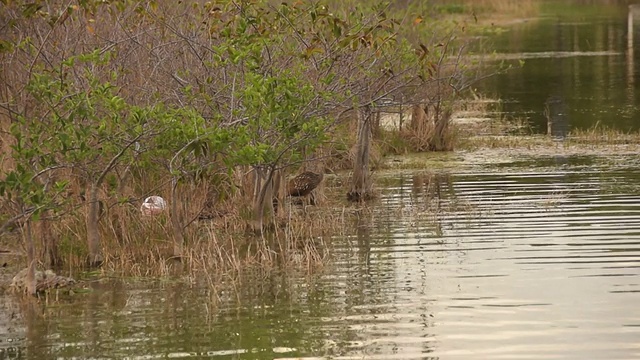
[600,134]
[515,133]
[484,136]
[490,12]
[522,8]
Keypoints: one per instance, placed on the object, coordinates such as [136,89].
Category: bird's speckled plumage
[303,184]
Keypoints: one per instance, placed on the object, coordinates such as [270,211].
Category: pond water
[532,258]
[579,54]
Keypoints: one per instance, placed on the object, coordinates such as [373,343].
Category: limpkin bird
[304,184]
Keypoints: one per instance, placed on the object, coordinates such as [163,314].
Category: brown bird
[304,184]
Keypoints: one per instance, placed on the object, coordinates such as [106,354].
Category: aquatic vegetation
[602,134]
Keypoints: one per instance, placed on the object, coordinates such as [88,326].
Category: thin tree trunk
[361,187]
[441,140]
[256,210]
[123,190]
[375,124]
[30,281]
[557,117]
[176,224]
[267,195]
[49,241]
[278,193]
[263,190]
[93,233]
[7,163]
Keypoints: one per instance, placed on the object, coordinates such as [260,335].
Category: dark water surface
[580,54]
[534,259]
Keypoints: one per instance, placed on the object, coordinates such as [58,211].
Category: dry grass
[218,249]
[488,15]
[498,134]
[504,141]
[599,134]
[481,125]
[221,243]
[221,255]
[478,132]
[509,7]
[502,12]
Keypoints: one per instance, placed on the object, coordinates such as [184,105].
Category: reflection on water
[583,54]
[537,259]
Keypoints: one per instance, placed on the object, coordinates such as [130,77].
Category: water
[531,258]
[580,54]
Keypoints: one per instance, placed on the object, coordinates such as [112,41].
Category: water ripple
[509,265]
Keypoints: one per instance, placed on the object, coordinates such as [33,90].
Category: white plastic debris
[153,205]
